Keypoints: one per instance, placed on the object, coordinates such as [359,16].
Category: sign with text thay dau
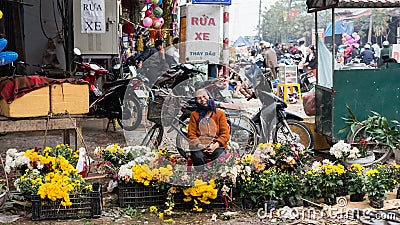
[220,2]
[203,33]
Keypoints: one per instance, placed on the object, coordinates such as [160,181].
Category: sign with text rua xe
[203,33]
[93,16]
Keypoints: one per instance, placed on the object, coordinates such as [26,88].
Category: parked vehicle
[307,81]
[272,121]
[116,102]
[120,99]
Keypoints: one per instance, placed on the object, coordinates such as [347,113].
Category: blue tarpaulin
[241,41]
[340,28]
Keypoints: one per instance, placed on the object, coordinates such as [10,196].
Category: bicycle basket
[162,110]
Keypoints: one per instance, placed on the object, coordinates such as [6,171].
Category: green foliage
[376,128]
[379,179]
[355,179]
[289,185]
[290,17]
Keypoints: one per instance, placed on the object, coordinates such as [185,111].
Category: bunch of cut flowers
[49,173]
[292,156]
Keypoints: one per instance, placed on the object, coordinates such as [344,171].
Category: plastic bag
[309,102]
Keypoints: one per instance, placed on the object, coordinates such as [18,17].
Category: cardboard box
[71,98]
[35,103]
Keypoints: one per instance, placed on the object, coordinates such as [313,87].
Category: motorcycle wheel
[154,137]
[131,114]
[301,132]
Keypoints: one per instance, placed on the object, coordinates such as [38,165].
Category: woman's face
[202,98]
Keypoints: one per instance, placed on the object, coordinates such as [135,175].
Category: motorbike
[181,79]
[307,81]
[273,122]
[119,99]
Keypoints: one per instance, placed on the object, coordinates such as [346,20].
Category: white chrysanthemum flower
[327,162]
[316,166]
[12,151]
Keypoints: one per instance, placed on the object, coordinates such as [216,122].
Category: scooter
[115,99]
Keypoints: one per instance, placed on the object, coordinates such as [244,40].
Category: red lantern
[148,12]
[128,28]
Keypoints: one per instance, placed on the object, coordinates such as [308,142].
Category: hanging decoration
[128,28]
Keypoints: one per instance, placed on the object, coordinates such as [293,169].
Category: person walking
[271,60]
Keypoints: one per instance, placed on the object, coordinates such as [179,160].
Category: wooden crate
[35,103]
[71,98]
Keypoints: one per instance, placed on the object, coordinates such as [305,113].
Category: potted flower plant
[310,182]
[376,131]
[356,182]
[377,182]
[349,154]
[287,156]
[331,179]
[289,188]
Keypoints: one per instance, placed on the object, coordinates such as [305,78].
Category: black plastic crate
[83,206]
[138,195]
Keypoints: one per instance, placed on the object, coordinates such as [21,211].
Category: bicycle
[242,129]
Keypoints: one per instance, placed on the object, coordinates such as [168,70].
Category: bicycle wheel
[182,144]
[131,113]
[382,154]
[244,133]
[154,137]
[295,131]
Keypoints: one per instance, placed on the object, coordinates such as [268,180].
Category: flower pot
[362,161]
[377,203]
[341,191]
[290,201]
[357,197]
[271,205]
[248,203]
[330,200]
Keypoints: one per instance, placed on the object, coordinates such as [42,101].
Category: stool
[290,85]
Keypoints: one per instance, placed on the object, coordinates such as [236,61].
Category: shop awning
[318,5]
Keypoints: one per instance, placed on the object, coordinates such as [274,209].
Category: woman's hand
[212,147]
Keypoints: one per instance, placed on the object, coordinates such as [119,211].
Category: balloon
[1,14]
[3,43]
[147,22]
[128,28]
[156,2]
[7,57]
[158,22]
[157,11]
[148,12]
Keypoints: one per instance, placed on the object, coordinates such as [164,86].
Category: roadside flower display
[49,173]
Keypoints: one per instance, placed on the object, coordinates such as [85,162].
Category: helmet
[267,44]
[367,46]
[262,42]
[385,44]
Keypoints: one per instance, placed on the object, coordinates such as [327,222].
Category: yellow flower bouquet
[49,173]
